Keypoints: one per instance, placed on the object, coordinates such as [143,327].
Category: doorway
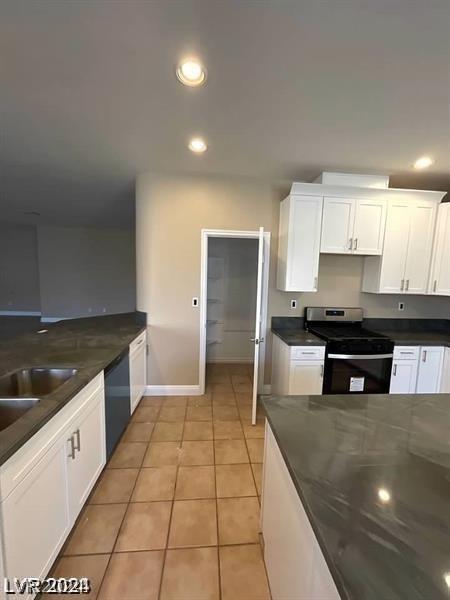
[233,309]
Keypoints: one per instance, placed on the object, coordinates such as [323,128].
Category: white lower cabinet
[294,561]
[45,484]
[296,370]
[36,517]
[404,370]
[445,381]
[306,377]
[85,453]
[138,370]
[430,370]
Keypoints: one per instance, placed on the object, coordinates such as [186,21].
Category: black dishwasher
[117,400]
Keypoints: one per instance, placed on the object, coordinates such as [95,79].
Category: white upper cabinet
[404,266]
[370,222]
[299,243]
[337,225]
[353,225]
[440,271]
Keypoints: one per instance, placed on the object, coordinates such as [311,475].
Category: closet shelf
[214,321]
[209,342]
[214,300]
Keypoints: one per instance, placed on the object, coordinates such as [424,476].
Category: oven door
[357,373]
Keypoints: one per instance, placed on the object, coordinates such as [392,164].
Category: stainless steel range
[357,360]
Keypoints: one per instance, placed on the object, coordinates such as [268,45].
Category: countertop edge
[81,382]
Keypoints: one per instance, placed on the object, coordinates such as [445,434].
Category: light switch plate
[195,302]
[401,306]
[293,303]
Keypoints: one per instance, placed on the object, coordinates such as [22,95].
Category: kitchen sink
[35,381]
[13,408]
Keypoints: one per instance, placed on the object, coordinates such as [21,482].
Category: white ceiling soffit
[89,97]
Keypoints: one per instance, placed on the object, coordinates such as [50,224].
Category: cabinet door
[430,370]
[138,364]
[404,377]
[87,458]
[337,225]
[306,377]
[370,223]
[422,222]
[445,380]
[36,517]
[302,268]
[392,276]
[440,277]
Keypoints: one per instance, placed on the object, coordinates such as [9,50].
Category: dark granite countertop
[298,337]
[341,451]
[89,345]
[416,338]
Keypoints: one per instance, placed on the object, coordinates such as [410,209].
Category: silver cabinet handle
[78,438]
[321,371]
[395,370]
[435,285]
[424,356]
[403,352]
[355,247]
[350,243]
[407,285]
[72,448]
[402,285]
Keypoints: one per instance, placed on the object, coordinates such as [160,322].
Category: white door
[370,222]
[430,369]
[305,219]
[85,453]
[392,278]
[305,377]
[440,277]
[423,218]
[337,225]
[404,377]
[36,517]
[258,339]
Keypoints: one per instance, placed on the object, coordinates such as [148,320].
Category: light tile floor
[175,514]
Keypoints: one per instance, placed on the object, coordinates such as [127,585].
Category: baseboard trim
[19,313]
[172,390]
[53,319]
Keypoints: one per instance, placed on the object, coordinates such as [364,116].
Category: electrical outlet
[194,302]
[293,303]
[401,306]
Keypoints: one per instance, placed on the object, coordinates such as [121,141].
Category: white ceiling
[89,98]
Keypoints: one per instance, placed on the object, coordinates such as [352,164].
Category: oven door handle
[360,356]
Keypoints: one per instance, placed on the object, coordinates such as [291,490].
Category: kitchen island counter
[373,476]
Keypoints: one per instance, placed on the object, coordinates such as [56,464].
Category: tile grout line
[128,503]
[171,508]
[217,512]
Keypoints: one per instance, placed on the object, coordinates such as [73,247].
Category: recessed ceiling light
[191,72]
[384,495]
[197,145]
[423,162]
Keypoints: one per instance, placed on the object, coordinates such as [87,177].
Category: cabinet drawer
[307,352]
[406,352]
[20,464]
[138,342]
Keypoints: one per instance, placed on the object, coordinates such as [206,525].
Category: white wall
[19,271]
[237,292]
[170,213]
[86,272]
